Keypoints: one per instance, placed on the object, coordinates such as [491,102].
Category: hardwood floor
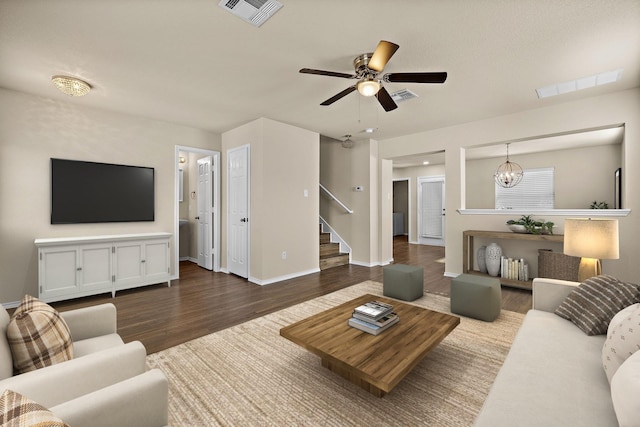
[202,302]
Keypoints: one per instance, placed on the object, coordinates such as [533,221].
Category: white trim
[594,213]
[281,278]
[452,275]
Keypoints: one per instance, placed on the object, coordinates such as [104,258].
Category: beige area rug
[248,375]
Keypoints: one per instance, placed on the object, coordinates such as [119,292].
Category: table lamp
[592,240]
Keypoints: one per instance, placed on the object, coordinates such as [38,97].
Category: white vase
[492,256]
[482,266]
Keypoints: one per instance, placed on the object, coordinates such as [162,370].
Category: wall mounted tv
[89,192]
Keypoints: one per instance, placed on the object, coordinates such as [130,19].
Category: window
[535,191]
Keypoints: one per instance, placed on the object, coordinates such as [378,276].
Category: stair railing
[331,195]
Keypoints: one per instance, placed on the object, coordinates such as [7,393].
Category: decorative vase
[482,266]
[492,256]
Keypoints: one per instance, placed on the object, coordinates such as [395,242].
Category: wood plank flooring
[202,302]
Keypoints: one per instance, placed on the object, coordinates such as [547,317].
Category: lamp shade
[591,238]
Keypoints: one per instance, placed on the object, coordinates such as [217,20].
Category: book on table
[374,327]
[373,310]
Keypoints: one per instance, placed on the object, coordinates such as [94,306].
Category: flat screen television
[90,192]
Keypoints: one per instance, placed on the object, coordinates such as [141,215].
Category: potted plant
[526,224]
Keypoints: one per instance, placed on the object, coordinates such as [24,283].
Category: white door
[431,217]
[238,211]
[205,240]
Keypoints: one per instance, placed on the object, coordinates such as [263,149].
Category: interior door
[205,240]
[238,211]
[431,218]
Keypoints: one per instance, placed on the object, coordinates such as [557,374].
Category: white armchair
[106,383]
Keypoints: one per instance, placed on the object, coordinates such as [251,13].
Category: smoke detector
[347,143]
[255,12]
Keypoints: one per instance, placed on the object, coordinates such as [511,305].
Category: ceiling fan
[367,68]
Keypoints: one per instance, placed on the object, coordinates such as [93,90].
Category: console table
[468,252]
[76,267]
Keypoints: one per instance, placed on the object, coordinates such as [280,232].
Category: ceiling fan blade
[385,100]
[327,73]
[415,77]
[342,94]
[381,55]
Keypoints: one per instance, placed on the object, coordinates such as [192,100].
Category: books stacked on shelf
[373,317]
[514,269]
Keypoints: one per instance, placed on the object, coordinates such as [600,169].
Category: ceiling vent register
[403,95]
[255,12]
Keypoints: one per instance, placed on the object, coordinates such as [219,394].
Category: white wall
[602,111]
[34,129]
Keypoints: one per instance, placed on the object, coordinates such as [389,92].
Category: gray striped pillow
[592,305]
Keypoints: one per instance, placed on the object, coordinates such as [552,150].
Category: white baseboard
[449,274]
[281,278]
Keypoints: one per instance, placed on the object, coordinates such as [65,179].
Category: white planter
[482,266]
[492,256]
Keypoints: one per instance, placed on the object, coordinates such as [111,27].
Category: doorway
[197,208]
[401,207]
[238,211]
[431,210]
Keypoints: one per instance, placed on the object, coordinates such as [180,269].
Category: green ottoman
[474,296]
[403,282]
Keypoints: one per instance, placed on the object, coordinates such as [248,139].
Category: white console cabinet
[81,266]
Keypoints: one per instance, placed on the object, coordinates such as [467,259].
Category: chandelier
[508,174]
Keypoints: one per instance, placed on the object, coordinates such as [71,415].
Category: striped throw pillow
[17,410]
[592,305]
[37,336]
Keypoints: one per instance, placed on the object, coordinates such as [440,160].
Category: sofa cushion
[552,374]
[623,339]
[38,336]
[625,389]
[17,410]
[592,305]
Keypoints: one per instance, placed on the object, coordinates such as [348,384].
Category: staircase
[330,255]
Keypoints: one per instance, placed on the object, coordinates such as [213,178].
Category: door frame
[176,213]
[427,240]
[246,147]
[408,230]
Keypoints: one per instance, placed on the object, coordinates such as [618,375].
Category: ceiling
[192,62]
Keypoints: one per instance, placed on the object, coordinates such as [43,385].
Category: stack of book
[373,317]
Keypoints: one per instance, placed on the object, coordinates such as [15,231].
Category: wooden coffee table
[376,363]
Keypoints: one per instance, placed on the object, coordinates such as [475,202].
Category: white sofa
[553,374]
[105,384]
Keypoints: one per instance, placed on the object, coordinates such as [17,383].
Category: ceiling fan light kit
[367,67]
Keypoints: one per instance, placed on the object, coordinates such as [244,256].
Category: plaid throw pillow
[592,305]
[19,411]
[37,336]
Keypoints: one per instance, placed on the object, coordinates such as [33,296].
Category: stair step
[330,261]
[329,249]
[325,238]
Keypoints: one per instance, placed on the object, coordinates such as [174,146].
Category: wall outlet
[284,254]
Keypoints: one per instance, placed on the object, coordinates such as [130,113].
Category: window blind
[535,191]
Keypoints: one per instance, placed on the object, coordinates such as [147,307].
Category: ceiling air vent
[403,95]
[255,12]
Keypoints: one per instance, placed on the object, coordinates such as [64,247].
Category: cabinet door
[156,261]
[58,272]
[95,265]
[128,266]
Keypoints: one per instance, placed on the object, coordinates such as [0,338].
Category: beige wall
[570,167]
[34,129]
[284,163]
[602,111]
[342,170]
